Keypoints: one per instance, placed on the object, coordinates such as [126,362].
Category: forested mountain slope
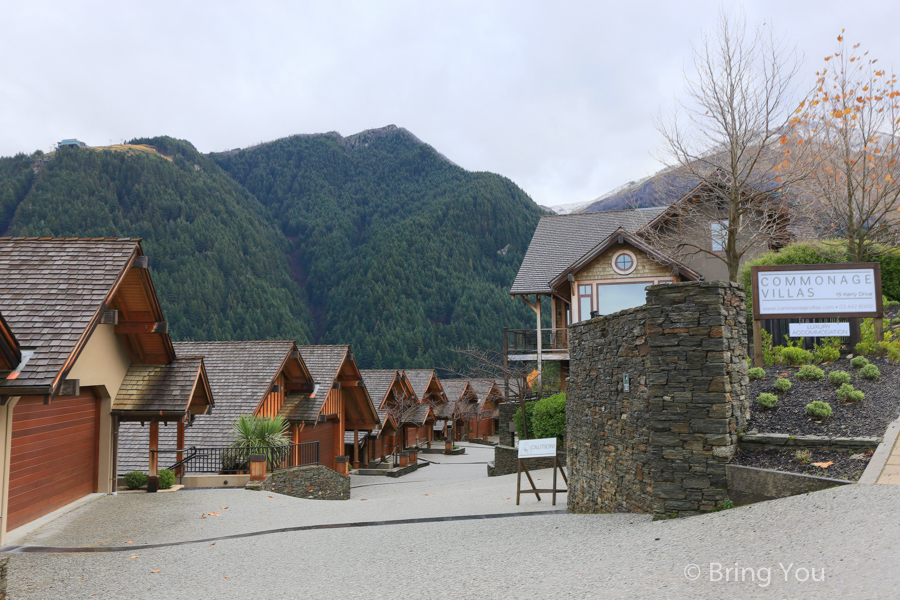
[374,240]
[401,253]
[220,269]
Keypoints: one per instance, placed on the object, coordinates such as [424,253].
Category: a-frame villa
[87,322]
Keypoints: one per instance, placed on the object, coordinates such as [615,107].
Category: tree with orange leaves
[854,116]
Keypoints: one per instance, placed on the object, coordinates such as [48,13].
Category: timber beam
[142,327]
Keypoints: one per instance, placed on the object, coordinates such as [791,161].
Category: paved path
[852,532]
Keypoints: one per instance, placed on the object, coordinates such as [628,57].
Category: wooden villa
[428,389]
[587,265]
[397,405]
[338,404]
[484,417]
[453,414]
[81,320]
[246,378]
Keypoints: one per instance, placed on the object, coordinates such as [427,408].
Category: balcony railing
[525,341]
[226,459]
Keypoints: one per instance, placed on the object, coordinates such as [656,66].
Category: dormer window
[624,262]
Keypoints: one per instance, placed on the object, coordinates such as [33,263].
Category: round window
[624,262]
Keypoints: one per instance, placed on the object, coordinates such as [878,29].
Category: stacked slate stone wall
[313,482]
[507,410]
[661,446]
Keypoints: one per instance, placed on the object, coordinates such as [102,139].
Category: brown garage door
[53,455]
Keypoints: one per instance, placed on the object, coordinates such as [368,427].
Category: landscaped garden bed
[866,417]
[836,464]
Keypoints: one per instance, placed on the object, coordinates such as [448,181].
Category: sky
[558,96]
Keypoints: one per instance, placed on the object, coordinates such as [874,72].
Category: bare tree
[733,147]
[490,364]
[856,118]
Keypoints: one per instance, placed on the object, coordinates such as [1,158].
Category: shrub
[771,355]
[811,373]
[843,392]
[767,400]
[870,372]
[166,479]
[550,417]
[756,373]
[782,384]
[803,456]
[895,320]
[819,409]
[839,377]
[135,480]
[252,434]
[826,354]
[794,356]
[891,304]
[855,396]
[858,362]
[529,419]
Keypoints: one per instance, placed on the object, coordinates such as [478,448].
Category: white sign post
[543,448]
[852,291]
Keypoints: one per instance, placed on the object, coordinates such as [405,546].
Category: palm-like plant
[258,435]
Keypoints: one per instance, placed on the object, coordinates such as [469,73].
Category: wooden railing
[525,340]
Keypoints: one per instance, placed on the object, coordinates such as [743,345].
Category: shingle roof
[324,362]
[419,380]
[418,415]
[378,382]
[10,353]
[51,290]
[454,388]
[560,240]
[240,374]
[348,437]
[159,388]
[482,389]
[301,407]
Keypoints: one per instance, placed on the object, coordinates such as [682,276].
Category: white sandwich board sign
[537,448]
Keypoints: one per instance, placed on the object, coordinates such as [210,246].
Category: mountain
[401,252]
[375,240]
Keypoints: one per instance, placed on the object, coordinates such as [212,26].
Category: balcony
[522,344]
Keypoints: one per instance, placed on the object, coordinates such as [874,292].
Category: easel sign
[544,448]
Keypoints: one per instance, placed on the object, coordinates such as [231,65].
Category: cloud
[559,97]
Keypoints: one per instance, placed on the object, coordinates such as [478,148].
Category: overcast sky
[557,96]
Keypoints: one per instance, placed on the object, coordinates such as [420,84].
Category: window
[615,297]
[584,302]
[719,234]
[624,262]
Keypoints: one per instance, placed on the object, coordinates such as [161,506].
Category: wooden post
[153,470]
[540,362]
[356,448]
[878,326]
[757,344]
[179,441]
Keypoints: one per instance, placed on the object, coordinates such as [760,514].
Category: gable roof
[620,236]
[52,293]
[560,240]
[240,375]
[421,380]
[379,382]
[418,415]
[483,389]
[10,353]
[324,362]
[162,390]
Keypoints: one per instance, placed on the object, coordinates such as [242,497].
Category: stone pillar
[660,443]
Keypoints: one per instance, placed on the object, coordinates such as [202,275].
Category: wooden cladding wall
[332,403]
[324,433]
[54,455]
[273,402]
[482,427]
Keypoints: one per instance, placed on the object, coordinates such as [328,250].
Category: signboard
[537,448]
[806,291]
[819,330]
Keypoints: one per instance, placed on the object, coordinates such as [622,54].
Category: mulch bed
[868,418]
[846,464]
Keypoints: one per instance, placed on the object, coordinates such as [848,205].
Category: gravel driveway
[851,532]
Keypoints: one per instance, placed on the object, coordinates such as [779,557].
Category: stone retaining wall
[506,461]
[4,565]
[661,446]
[784,441]
[312,482]
[507,410]
[747,485]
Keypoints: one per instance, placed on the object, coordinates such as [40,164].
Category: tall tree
[729,138]
[855,116]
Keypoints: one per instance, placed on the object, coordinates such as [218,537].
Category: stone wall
[661,446]
[507,410]
[506,461]
[4,565]
[314,482]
